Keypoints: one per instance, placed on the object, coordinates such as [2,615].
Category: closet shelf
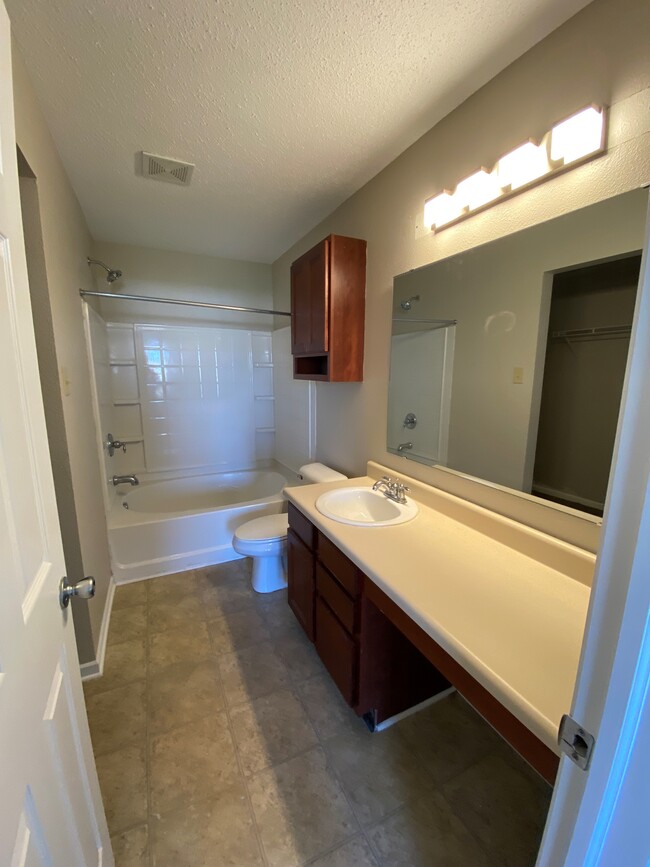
[603,331]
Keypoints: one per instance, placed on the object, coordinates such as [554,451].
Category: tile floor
[220,740]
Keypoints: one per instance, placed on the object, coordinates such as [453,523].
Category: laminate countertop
[507,602]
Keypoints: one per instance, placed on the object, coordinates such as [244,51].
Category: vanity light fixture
[578,136]
[479,189]
[569,143]
[523,165]
[442,209]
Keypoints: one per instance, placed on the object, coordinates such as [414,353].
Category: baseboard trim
[387,723]
[95,668]
[89,670]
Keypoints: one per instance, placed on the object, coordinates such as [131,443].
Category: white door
[50,805]
[599,817]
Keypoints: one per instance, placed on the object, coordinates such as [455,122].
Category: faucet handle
[113,444]
[400,490]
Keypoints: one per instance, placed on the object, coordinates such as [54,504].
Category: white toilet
[265,539]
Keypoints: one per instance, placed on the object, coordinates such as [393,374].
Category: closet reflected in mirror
[508,360]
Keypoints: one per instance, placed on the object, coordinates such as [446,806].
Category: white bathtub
[163,527]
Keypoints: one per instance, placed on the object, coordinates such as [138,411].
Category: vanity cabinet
[376,669]
[328,285]
[338,650]
[301,562]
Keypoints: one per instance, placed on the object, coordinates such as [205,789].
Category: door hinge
[575,741]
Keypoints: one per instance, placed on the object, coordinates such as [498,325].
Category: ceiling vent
[171,171]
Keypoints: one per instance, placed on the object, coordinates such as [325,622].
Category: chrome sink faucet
[394,489]
[123,480]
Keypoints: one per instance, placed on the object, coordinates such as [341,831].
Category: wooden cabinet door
[338,651]
[301,589]
[310,301]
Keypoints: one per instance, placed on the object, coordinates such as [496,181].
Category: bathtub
[161,527]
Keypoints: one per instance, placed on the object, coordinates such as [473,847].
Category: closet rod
[441,323]
[84,292]
[600,331]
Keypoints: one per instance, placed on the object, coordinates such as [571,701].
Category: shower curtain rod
[84,292]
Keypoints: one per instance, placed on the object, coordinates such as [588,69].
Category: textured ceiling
[286,107]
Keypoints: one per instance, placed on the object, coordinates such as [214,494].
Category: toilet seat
[265,529]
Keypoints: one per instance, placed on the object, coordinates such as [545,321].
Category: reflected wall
[500,296]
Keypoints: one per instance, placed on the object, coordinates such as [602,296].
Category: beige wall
[601,55]
[170,274]
[66,243]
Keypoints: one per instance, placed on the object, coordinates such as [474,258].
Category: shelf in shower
[262,364]
[126,403]
[264,397]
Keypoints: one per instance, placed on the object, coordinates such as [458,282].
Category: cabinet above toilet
[328,288]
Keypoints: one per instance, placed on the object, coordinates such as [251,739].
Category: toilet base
[269,574]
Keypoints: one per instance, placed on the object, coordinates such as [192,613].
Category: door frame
[612,694]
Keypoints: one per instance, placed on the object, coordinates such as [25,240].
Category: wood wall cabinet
[328,289]
[377,670]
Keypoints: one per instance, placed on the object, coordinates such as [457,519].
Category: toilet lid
[262,529]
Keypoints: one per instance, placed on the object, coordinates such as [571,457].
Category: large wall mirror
[507,361]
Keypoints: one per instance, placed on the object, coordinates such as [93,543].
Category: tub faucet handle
[113,444]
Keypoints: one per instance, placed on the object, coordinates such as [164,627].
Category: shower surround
[195,407]
[190,399]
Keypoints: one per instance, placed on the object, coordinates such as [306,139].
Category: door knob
[84,589]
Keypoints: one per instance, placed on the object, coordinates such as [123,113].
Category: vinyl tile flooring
[221,740]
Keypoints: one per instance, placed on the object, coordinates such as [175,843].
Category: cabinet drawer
[338,600]
[344,570]
[302,527]
[338,651]
[301,592]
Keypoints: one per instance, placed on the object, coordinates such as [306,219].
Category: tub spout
[123,480]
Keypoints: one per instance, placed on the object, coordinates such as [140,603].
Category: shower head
[406,305]
[111,274]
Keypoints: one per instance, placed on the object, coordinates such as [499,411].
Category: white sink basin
[364,507]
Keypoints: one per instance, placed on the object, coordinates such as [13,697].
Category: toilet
[265,539]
